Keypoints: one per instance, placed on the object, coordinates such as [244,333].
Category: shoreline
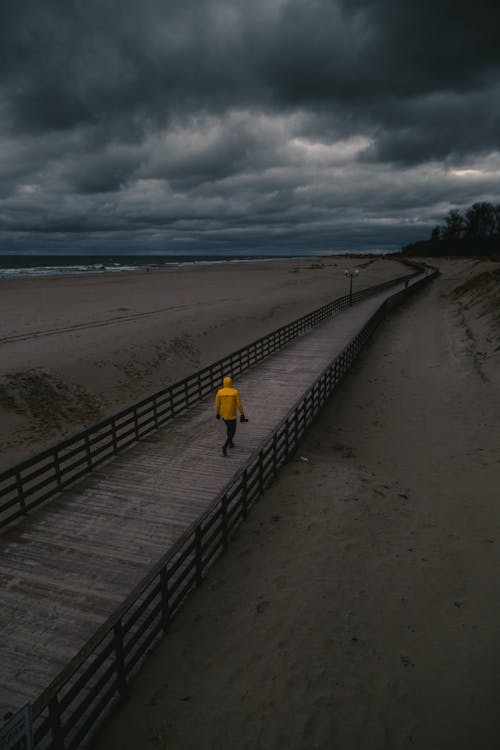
[109,264]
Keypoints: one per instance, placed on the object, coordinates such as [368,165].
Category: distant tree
[480,221]
[454,224]
[497,220]
[475,232]
[490,219]
[436,234]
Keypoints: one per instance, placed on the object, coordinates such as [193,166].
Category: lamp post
[351,274]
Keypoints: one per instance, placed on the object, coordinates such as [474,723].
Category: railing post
[224,522]
[87,450]
[261,472]
[244,495]
[300,412]
[198,554]
[165,607]
[57,468]
[275,454]
[55,724]
[20,492]
[114,436]
[306,410]
[120,659]
[327,383]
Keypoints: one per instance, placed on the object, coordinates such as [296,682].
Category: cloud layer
[234,126]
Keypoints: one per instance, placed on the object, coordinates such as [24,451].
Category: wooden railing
[72,707]
[35,480]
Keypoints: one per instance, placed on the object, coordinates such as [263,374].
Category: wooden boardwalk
[66,568]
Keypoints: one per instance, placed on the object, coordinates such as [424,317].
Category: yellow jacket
[228,400]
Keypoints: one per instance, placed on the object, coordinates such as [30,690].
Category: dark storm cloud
[71,63]
[212,120]
[66,63]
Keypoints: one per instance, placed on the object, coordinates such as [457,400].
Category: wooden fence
[72,708]
[35,480]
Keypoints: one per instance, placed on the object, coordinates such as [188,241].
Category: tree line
[475,231]
[479,222]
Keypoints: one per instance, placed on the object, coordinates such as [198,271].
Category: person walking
[227,403]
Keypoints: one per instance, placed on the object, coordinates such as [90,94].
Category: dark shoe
[224,450]
[231,445]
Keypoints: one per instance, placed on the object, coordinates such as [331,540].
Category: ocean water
[25,266]
[9,273]
[33,266]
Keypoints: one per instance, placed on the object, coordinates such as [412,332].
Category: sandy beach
[358,606]
[76,349]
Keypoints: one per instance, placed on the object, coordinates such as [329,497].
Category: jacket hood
[227,382]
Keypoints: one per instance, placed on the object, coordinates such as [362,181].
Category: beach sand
[76,349]
[358,607]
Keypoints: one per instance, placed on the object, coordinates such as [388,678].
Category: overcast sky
[230,125]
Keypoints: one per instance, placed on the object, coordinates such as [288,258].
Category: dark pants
[230,429]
